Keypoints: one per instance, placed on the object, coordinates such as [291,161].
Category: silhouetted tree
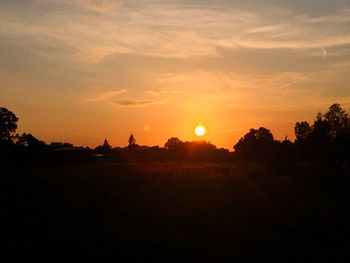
[132,141]
[260,135]
[257,144]
[8,126]
[106,145]
[320,130]
[200,151]
[104,148]
[263,135]
[28,140]
[302,130]
[328,138]
[173,143]
[194,151]
[337,120]
[328,127]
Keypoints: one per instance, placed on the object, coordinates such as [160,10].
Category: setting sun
[200,130]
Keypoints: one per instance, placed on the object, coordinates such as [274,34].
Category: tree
[253,136]
[106,145]
[263,135]
[337,120]
[257,144]
[8,125]
[327,138]
[173,143]
[28,140]
[104,148]
[132,141]
[302,130]
[331,126]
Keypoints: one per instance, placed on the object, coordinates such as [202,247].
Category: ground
[181,212]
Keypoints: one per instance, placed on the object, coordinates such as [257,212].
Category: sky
[81,71]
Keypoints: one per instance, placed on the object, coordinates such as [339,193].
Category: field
[108,212]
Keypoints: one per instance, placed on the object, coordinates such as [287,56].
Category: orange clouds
[101,5]
[154,28]
[104,96]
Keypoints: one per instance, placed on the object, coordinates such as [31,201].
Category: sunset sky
[83,70]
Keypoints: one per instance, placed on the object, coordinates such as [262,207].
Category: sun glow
[200,130]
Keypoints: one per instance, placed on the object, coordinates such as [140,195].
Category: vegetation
[132,141]
[269,200]
[8,126]
[171,212]
[326,139]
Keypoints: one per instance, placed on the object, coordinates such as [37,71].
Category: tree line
[326,139]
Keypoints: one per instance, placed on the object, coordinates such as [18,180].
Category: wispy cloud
[297,79]
[158,92]
[155,92]
[138,103]
[324,52]
[101,5]
[174,29]
[232,130]
[171,77]
[105,95]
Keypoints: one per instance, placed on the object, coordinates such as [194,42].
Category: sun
[200,130]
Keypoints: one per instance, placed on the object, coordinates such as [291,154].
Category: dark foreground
[109,212]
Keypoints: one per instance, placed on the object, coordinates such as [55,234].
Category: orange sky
[83,70]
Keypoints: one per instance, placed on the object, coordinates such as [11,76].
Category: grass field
[100,212]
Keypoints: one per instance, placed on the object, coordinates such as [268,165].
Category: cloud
[324,52]
[138,103]
[155,92]
[101,5]
[171,77]
[172,29]
[232,90]
[158,92]
[297,79]
[105,95]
